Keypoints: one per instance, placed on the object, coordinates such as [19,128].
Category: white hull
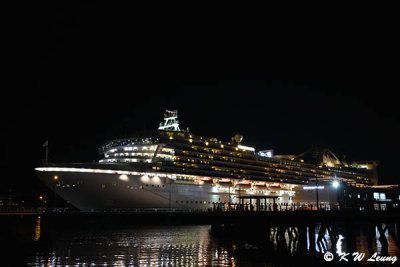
[99,191]
[89,189]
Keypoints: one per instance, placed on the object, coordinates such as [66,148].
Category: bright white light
[313,187]
[84,170]
[123,177]
[335,184]
[339,245]
[156,180]
[145,179]
[266,153]
[246,148]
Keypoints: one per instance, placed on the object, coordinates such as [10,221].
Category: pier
[237,217]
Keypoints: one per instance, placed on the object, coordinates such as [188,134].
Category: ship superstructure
[170,168]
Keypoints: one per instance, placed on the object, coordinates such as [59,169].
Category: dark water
[188,245]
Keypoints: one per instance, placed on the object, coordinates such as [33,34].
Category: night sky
[83,74]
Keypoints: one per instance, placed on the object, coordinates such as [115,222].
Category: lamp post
[316,187]
[335,184]
[240,199]
[229,197]
[55,189]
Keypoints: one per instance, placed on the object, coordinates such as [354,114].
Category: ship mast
[171,122]
[46,145]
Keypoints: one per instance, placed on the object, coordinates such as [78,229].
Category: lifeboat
[240,190]
[242,186]
[225,182]
[260,186]
[274,185]
[205,180]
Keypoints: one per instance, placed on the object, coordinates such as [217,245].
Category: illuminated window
[382,196]
[376,195]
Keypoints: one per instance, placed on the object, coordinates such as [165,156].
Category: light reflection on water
[37,229]
[170,246]
[144,246]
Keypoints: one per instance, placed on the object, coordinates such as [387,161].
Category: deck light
[123,177]
[335,184]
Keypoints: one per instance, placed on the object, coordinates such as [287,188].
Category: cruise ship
[170,168]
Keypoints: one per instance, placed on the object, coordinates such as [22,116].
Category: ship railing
[126,210]
[287,207]
[221,207]
[5,210]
